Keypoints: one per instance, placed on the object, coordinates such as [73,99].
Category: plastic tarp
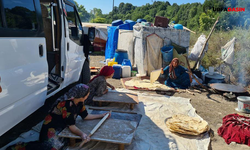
[111,44]
[180,37]
[195,52]
[152,132]
[126,42]
[227,52]
[154,45]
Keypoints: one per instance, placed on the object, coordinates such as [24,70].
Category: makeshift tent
[111,44]
[227,52]
[180,37]
[154,57]
[126,42]
[195,52]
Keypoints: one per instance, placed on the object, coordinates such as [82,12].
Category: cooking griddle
[227,88]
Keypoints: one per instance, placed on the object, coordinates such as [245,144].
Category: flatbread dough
[145,83]
[184,124]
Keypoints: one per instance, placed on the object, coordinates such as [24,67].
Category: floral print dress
[62,115]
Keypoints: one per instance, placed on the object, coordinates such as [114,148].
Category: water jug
[126,71]
[118,71]
[126,62]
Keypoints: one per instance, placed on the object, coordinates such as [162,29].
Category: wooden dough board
[112,130]
[118,97]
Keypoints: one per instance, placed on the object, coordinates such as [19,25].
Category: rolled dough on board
[145,83]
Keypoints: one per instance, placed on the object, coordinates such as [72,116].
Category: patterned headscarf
[171,68]
[78,91]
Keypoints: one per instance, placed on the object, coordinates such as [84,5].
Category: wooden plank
[112,131]
[118,97]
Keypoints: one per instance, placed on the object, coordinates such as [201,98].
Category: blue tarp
[112,41]
[131,23]
[117,22]
[124,26]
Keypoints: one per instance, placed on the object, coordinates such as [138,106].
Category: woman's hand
[104,114]
[162,71]
[112,87]
[85,137]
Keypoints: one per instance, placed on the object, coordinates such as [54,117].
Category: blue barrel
[120,55]
[117,22]
[178,26]
[126,62]
[118,71]
[131,23]
[167,53]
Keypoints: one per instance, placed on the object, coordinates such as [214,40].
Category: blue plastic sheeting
[141,20]
[124,26]
[117,22]
[131,23]
[112,41]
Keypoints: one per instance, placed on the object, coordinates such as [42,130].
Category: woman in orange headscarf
[98,85]
[177,76]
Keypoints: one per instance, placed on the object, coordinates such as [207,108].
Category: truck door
[23,65]
[75,56]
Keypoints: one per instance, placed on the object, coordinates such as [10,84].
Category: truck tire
[85,74]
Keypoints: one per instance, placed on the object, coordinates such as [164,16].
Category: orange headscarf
[171,68]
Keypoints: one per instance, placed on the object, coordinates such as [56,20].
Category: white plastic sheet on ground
[227,52]
[126,42]
[154,56]
[152,133]
[195,52]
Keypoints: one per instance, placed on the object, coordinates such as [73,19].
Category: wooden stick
[194,76]
[95,128]
[203,48]
[185,28]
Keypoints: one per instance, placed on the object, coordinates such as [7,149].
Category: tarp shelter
[227,52]
[125,42]
[180,37]
[111,44]
[154,44]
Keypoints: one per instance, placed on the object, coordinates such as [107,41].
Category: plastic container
[108,60]
[124,26]
[141,20]
[133,73]
[178,26]
[126,71]
[161,21]
[243,104]
[120,55]
[112,63]
[117,22]
[131,23]
[126,62]
[167,53]
[118,71]
[211,70]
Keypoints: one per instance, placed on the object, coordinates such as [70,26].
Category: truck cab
[41,53]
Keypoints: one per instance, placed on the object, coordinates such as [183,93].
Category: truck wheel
[85,74]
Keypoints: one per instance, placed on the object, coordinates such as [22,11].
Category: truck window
[75,29]
[20,14]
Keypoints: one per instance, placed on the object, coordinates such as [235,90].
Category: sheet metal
[227,88]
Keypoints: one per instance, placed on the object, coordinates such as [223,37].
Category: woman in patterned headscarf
[177,76]
[63,114]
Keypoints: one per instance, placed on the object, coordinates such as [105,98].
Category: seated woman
[98,85]
[177,75]
[63,114]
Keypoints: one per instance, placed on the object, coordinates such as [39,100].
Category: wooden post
[203,48]
[121,146]
[132,106]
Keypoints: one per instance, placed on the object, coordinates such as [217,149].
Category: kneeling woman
[98,85]
[62,115]
[177,76]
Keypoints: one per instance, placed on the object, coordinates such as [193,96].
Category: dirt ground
[211,107]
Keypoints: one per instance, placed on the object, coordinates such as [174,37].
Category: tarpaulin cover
[111,44]
[154,56]
[227,52]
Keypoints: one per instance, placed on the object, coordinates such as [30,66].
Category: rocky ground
[211,107]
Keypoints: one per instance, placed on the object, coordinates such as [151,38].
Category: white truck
[41,52]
